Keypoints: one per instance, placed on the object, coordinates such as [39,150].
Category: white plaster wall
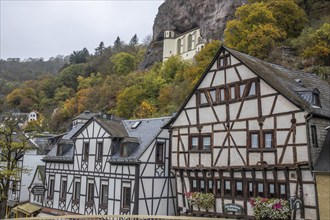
[219,78]
[30,162]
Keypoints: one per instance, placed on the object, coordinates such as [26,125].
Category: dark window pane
[271,190]
[210,186]
[314,136]
[63,189]
[232,93]
[99,151]
[218,187]
[126,197]
[104,198]
[202,185]
[260,189]
[239,188]
[160,153]
[227,187]
[283,191]
[77,191]
[194,185]
[251,194]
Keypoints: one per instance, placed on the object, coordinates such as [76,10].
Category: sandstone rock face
[183,15]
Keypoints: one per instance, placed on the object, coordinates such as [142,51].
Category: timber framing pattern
[256,123]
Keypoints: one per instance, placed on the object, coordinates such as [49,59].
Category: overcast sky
[46,28]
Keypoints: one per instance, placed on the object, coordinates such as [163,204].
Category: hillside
[111,79]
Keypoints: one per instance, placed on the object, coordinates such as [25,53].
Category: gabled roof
[323,162]
[114,127]
[285,81]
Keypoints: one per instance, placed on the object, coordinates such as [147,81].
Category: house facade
[249,128]
[186,45]
[110,166]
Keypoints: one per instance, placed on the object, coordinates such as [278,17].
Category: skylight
[136,124]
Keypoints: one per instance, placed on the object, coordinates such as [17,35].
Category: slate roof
[114,127]
[145,133]
[288,82]
[323,162]
[85,115]
[67,156]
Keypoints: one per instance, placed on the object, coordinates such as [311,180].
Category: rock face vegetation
[128,79]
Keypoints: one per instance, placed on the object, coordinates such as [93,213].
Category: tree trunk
[3,208]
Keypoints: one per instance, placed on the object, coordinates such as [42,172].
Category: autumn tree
[13,145]
[314,44]
[123,63]
[259,26]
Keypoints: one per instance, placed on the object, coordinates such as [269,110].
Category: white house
[249,128]
[186,45]
[109,166]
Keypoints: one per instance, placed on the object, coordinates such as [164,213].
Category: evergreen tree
[118,45]
[100,49]
[134,40]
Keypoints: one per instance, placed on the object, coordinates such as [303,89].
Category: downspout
[136,189]
[310,116]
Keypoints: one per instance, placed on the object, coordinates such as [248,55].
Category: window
[268,138]
[126,197]
[206,142]
[160,153]
[223,61]
[218,187]
[252,90]
[59,150]
[200,142]
[90,193]
[99,151]
[222,96]
[104,194]
[213,95]
[314,136]
[271,190]
[316,98]
[85,151]
[51,186]
[179,46]
[63,188]
[190,46]
[227,187]
[254,140]
[210,186]
[250,192]
[194,143]
[124,149]
[202,185]
[283,191]
[76,195]
[194,185]
[136,124]
[241,90]
[260,189]
[232,92]
[239,188]
[202,98]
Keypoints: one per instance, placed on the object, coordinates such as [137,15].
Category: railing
[115,217]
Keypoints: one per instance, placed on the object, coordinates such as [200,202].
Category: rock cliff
[183,15]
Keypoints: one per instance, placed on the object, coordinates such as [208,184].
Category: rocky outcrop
[183,15]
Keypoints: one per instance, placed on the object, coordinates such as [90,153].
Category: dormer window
[136,124]
[316,98]
[124,149]
[59,150]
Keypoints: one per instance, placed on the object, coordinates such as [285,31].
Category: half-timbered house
[249,128]
[109,166]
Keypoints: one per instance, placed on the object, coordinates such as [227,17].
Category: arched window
[190,46]
[179,47]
